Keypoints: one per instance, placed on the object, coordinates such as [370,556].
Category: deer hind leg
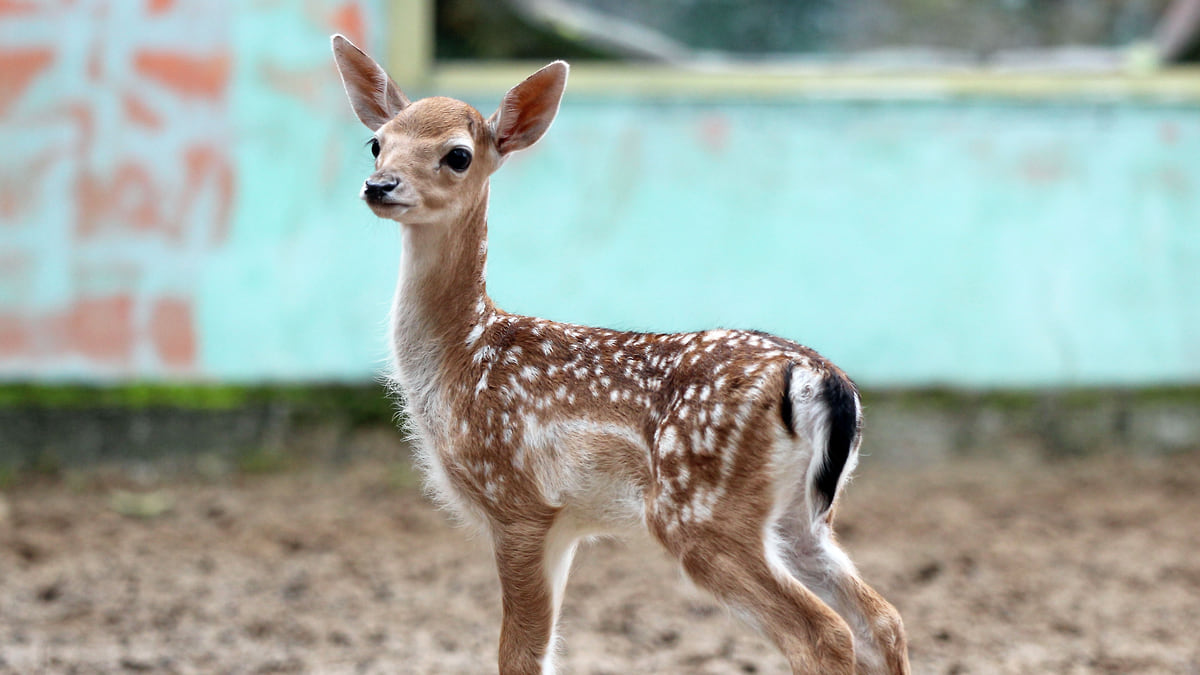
[801,529]
[733,565]
[811,554]
[533,558]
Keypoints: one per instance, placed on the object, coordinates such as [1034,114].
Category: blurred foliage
[766,26]
[403,476]
[488,29]
[263,460]
[358,404]
[143,505]
[369,404]
[46,464]
[8,474]
[47,432]
[953,400]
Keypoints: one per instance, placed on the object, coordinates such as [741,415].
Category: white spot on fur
[669,441]
[474,334]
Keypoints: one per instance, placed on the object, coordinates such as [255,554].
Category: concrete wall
[178,202]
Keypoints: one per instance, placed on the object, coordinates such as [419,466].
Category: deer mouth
[385,201]
[389,210]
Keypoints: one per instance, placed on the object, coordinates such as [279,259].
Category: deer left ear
[528,109]
[373,96]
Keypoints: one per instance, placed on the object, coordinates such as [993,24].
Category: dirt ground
[1091,566]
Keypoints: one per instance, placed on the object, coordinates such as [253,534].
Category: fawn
[729,446]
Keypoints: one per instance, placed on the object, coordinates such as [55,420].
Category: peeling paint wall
[178,201]
[146,147]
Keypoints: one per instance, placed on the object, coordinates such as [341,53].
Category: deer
[729,447]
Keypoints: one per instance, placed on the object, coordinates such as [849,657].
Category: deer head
[433,156]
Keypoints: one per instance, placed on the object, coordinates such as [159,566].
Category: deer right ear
[373,95]
[528,108]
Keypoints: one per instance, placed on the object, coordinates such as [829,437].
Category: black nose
[378,186]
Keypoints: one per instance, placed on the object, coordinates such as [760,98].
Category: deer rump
[832,422]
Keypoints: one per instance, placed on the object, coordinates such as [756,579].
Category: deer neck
[440,297]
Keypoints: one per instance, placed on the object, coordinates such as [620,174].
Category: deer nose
[377,186]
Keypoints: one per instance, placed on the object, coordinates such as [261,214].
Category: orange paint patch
[139,113]
[1043,169]
[16,7]
[209,164]
[159,6]
[13,201]
[348,20]
[1168,133]
[302,84]
[84,120]
[95,64]
[1173,180]
[18,68]
[198,76]
[127,200]
[714,132]
[172,332]
[15,336]
[101,328]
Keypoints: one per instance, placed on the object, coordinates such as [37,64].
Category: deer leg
[812,637]
[533,559]
[811,554]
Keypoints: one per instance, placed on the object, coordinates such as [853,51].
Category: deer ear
[373,95]
[528,108]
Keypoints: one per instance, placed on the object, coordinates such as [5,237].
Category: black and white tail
[826,409]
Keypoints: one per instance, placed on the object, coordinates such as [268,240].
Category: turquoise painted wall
[179,202]
[177,193]
[978,243]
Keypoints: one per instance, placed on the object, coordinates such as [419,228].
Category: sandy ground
[1091,566]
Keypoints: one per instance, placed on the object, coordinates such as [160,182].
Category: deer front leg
[533,558]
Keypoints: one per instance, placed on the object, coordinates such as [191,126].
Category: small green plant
[46,464]
[262,460]
[9,474]
[144,505]
[402,476]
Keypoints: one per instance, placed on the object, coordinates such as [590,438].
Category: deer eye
[374,147]
[458,159]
